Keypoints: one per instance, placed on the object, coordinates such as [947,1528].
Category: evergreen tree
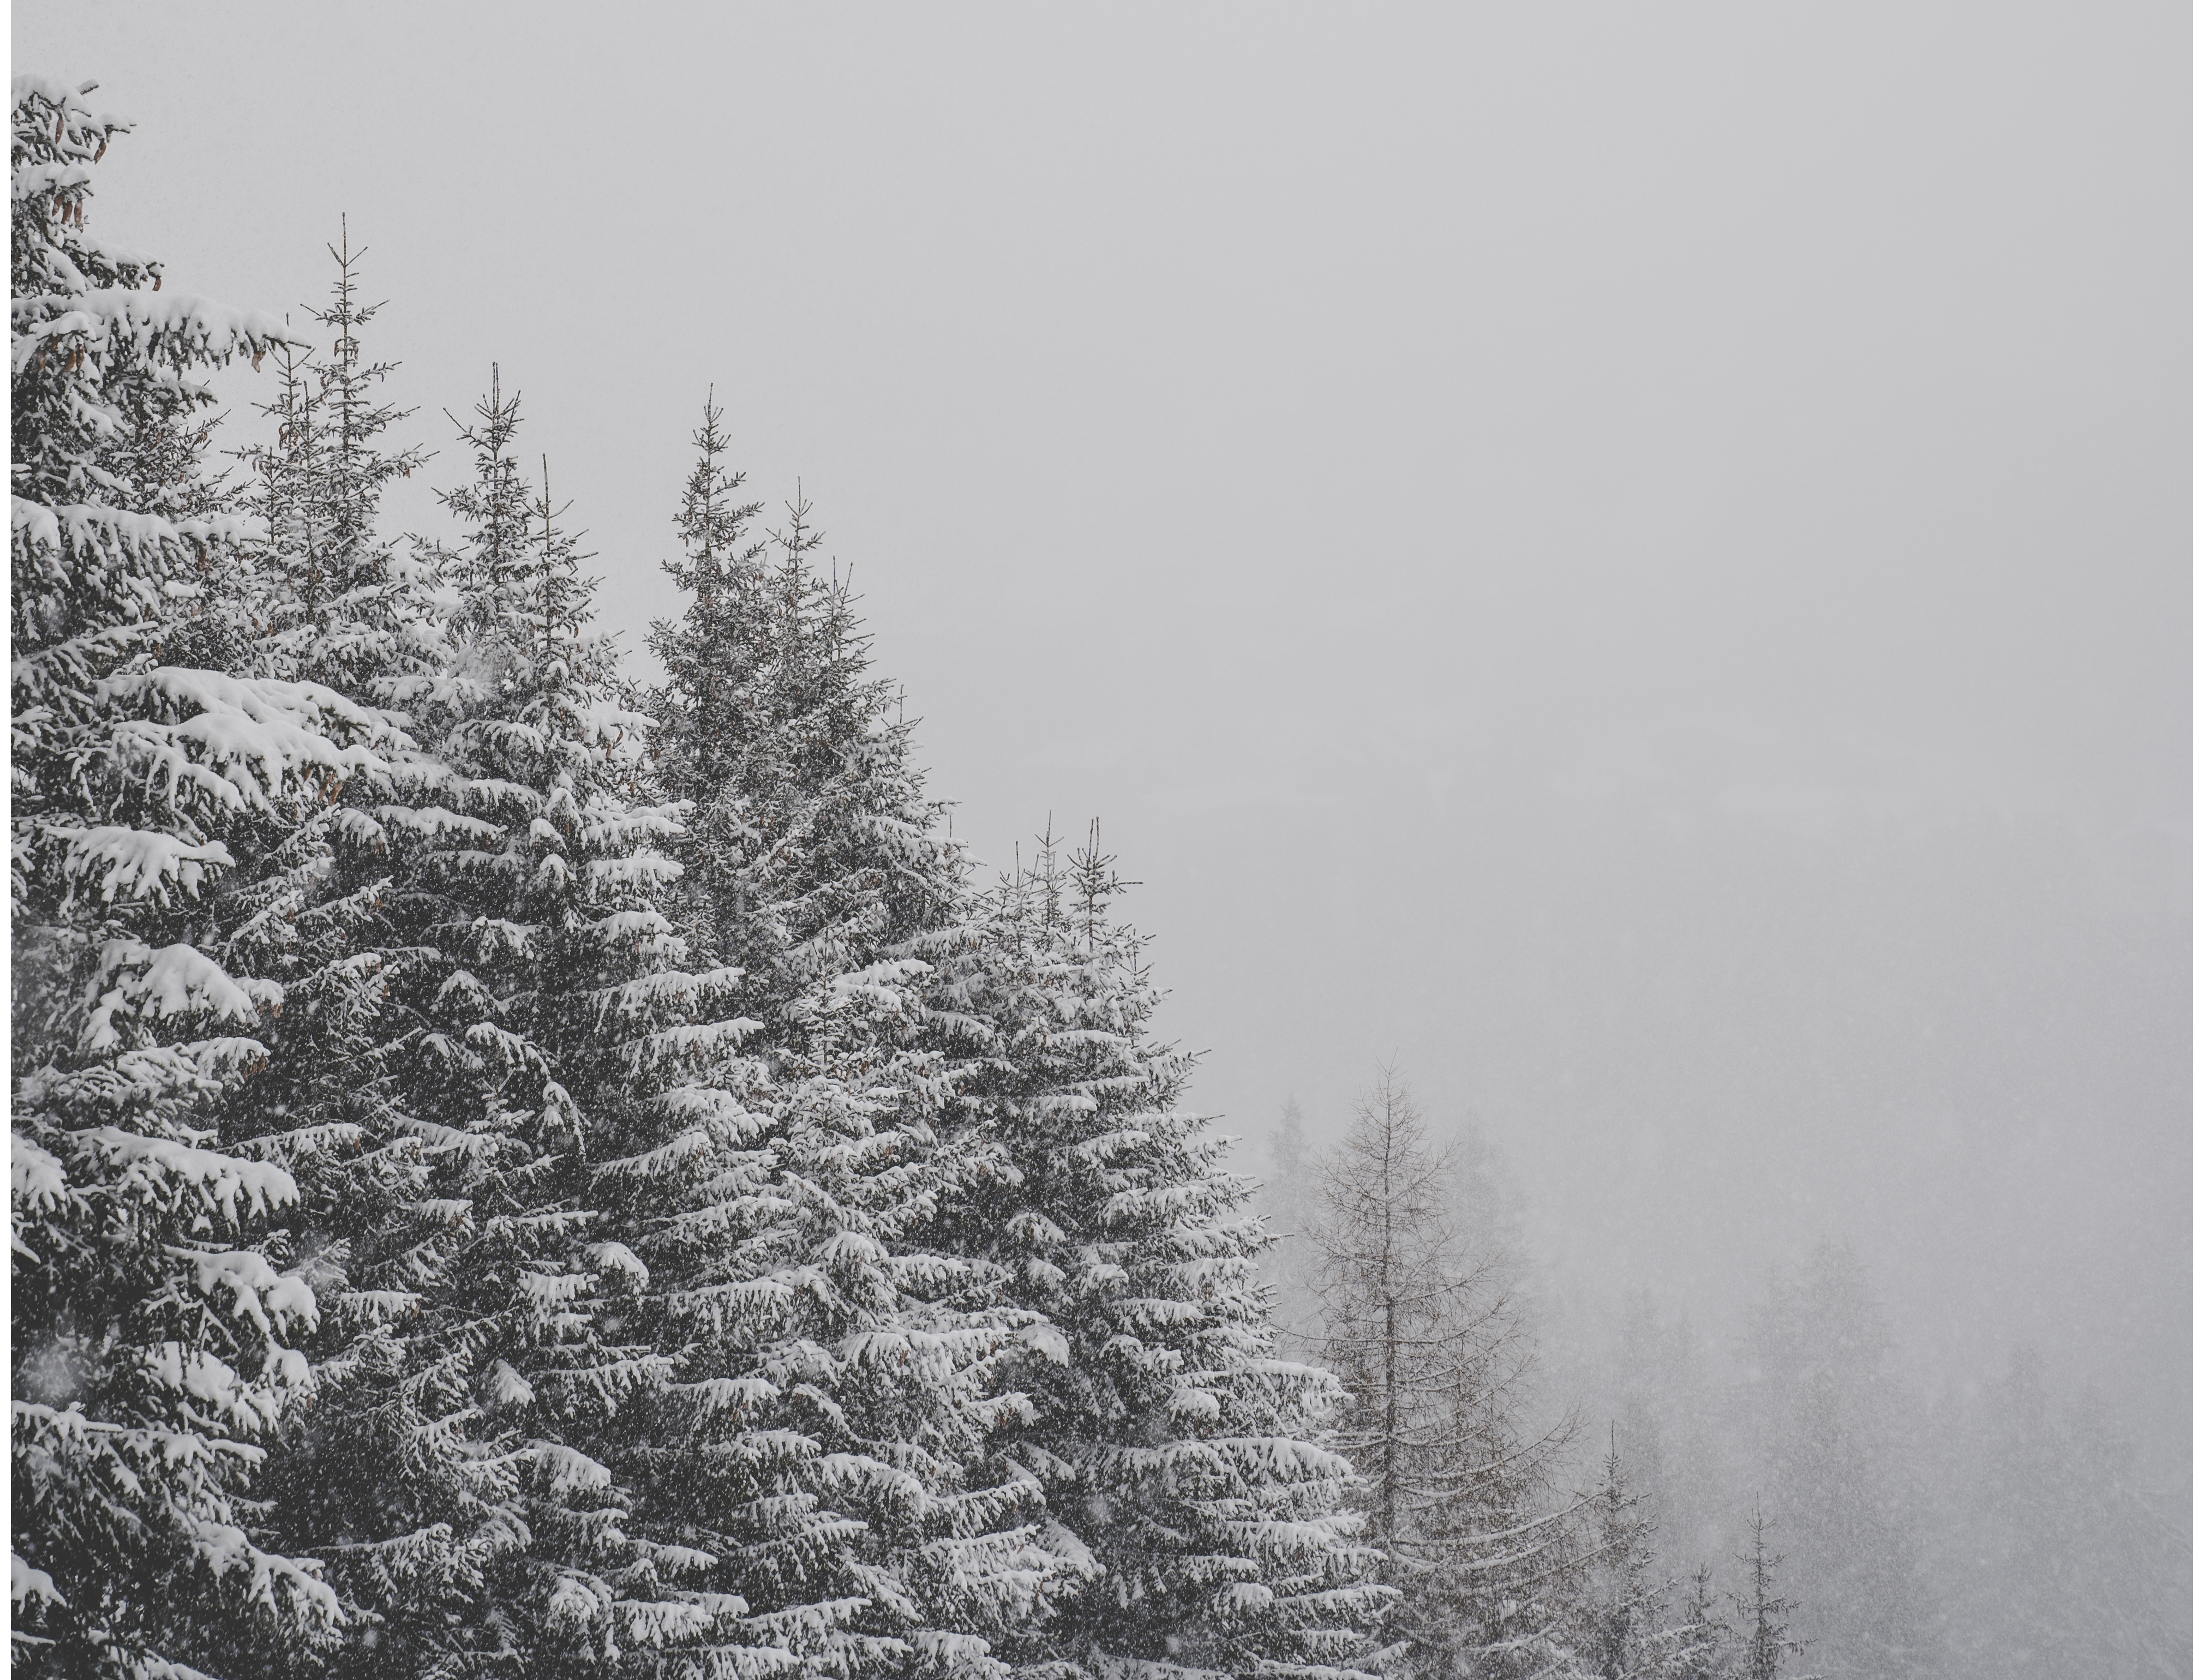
[1665,1434]
[1835,1438]
[1763,1614]
[708,720]
[813,851]
[282,542]
[1203,1525]
[1432,1356]
[821,1447]
[1702,1643]
[333,915]
[341,603]
[452,1487]
[1623,1631]
[155,1309]
[486,569]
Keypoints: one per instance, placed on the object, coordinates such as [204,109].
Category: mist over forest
[1257,845]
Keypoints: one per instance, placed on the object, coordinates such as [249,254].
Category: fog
[1632,559]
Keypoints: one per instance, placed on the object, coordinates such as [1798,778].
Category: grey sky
[1635,557]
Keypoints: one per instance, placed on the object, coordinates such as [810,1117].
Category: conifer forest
[544,1153]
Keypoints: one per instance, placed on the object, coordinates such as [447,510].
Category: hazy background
[1635,558]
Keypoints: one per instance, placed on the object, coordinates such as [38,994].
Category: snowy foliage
[156,1317]
[449,1481]
[1203,1524]
[1627,1624]
[334,598]
[821,1451]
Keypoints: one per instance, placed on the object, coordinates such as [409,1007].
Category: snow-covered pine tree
[813,852]
[493,507]
[1432,1355]
[341,603]
[1763,1613]
[820,1442]
[375,1478]
[462,1508]
[1701,1646]
[1622,1631]
[1205,1527]
[816,1450]
[708,718]
[282,543]
[152,1316]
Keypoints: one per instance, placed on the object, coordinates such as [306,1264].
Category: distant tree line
[1399,1276]
[1993,1531]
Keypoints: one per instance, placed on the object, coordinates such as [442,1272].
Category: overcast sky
[1632,557]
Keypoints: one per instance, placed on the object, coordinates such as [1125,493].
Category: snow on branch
[177,980]
[128,325]
[164,1172]
[77,528]
[136,865]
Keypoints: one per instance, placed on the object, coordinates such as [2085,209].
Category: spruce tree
[276,501]
[1622,1631]
[818,1444]
[813,852]
[1202,1525]
[155,1301]
[370,1479]
[1702,1637]
[1762,1613]
[454,1482]
[714,709]
[341,602]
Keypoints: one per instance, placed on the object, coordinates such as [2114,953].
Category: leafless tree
[1420,1326]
